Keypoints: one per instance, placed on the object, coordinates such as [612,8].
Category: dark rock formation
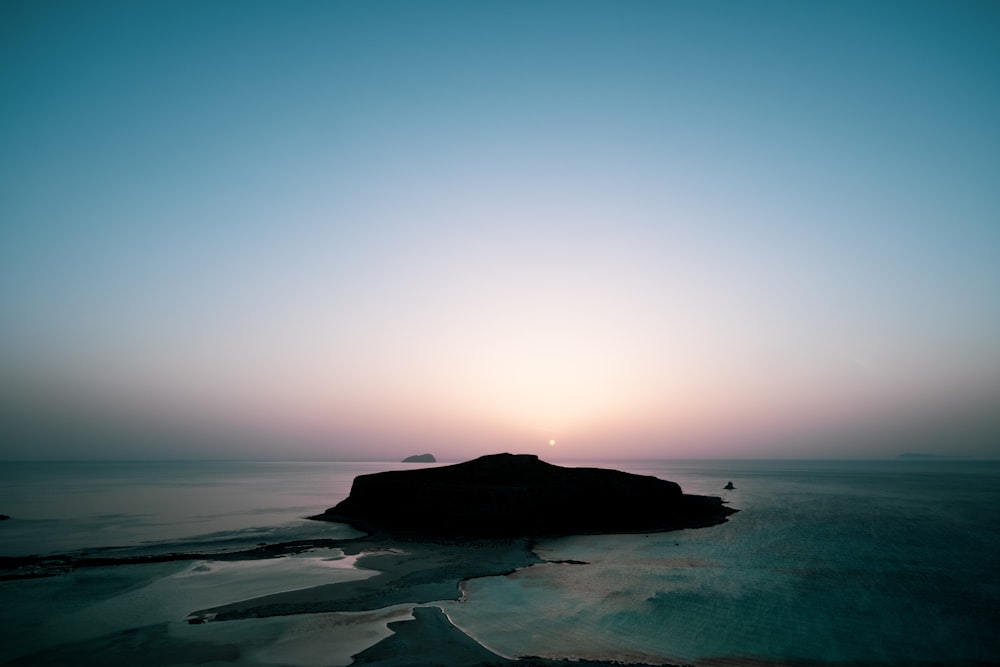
[729,486]
[507,495]
[420,458]
[3,517]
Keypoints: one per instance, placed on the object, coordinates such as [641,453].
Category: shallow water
[91,603]
[874,563]
[880,562]
[65,506]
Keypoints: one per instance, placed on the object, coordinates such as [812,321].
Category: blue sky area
[346,229]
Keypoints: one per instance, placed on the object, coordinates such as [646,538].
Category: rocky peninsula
[518,495]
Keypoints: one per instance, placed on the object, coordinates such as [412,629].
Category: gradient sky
[345,229]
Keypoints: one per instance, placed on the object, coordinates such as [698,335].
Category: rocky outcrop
[420,458]
[507,495]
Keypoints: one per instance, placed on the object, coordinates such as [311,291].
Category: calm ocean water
[68,506]
[828,562]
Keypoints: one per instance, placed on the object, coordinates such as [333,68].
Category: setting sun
[552,443]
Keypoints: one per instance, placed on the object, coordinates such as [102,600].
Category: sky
[373,229]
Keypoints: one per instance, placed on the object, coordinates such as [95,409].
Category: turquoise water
[862,563]
[887,563]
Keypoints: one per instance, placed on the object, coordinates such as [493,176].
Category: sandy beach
[405,573]
[431,638]
[369,601]
[407,597]
[372,601]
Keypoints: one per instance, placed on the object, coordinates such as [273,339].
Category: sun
[552,443]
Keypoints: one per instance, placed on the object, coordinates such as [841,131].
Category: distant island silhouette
[921,455]
[420,458]
[516,495]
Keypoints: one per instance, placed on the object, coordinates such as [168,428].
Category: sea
[827,563]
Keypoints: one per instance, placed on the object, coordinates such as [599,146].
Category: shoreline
[431,632]
[425,577]
[407,572]
[421,576]
[13,568]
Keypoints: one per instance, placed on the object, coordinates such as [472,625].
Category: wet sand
[409,573]
[431,638]
[389,609]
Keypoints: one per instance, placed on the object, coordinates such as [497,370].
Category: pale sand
[430,638]
[411,573]
[372,606]
[394,618]
[329,640]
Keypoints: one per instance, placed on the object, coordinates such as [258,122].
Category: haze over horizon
[368,230]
